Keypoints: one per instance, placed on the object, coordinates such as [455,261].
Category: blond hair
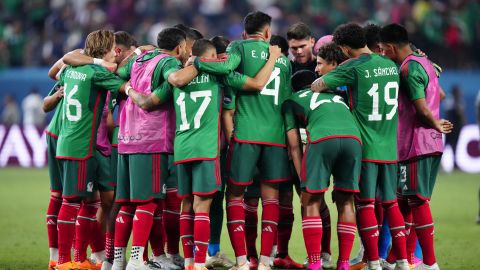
[98,43]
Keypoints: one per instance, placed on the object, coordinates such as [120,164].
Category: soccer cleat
[218,260]
[358,266]
[373,265]
[87,265]
[67,266]
[152,265]
[136,265]
[119,264]
[315,266]
[253,263]
[177,260]
[343,266]
[386,265]
[244,266]
[165,263]
[427,267]
[262,266]
[52,264]
[273,253]
[402,265]
[327,262]
[286,263]
[106,265]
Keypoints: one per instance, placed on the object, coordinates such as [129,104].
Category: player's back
[258,117]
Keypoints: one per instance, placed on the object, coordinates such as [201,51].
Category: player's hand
[60,92]
[109,65]
[190,61]
[443,126]
[145,48]
[275,51]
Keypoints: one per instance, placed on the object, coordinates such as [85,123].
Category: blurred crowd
[38,32]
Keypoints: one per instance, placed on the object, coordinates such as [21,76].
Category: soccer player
[373,83]
[85,92]
[334,147]
[301,42]
[420,144]
[259,134]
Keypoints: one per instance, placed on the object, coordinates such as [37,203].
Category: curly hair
[351,35]
[330,52]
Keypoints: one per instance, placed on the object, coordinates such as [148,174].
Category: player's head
[125,44]
[221,44]
[280,42]
[328,58]
[192,35]
[204,48]
[257,24]
[372,35]
[301,42]
[393,38]
[101,44]
[349,37]
[173,40]
[320,42]
[302,79]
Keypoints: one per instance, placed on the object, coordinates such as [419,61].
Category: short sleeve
[288,116]
[171,65]
[221,67]
[228,98]
[414,79]
[235,80]
[343,75]
[124,72]
[107,81]
[163,91]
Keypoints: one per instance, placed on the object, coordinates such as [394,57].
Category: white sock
[137,253]
[188,261]
[100,256]
[119,257]
[159,258]
[54,254]
[264,259]
[374,265]
[199,265]
[241,260]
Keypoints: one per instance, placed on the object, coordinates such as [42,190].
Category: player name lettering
[282,61]
[379,72]
[263,54]
[204,78]
[72,74]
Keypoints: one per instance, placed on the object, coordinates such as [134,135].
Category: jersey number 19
[392,101]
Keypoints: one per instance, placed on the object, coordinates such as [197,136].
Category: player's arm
[221,67]
[343,75]
[228,112]
[149,102]
[426,116]
[78,58]
[135,53]
[53,98]
[183,76]
[293,136]
[56,69]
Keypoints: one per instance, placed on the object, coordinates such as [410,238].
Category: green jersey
[258,117]
[326,114]
[85,93]
[55,124]
[373,83]
[197,107]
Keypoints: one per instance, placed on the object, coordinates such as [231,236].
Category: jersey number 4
[71,101]
[207,97]
[392,101]
[275,77]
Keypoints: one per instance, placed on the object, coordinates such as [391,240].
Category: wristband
[127,90]
[137,51]
[97,61]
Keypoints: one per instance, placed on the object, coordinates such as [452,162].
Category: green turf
[24,196]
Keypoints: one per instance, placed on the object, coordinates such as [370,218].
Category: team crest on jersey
[90,187]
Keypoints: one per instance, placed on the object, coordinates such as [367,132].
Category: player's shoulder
[283,63]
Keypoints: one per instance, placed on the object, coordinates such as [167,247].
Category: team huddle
[149,141]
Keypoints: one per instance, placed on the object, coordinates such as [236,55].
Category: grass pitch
[24,195]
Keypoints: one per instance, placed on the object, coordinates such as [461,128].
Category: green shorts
[340,157]
[417,176]
[253,190]
[113,164]
[201,177]
[378,181]
[54,165]
[172,181]
[294,181]
[272,162]
[103,179]
[141,177]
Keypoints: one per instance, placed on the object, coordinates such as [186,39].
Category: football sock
[269,225]
[285,224]
[200,235]
[171,221]
[123,225]
[368,229]
[385,239]
[346,235]
[326,230]
[142,224]
[424,228]
[409,228]
[156,234]
[397,229]
[109,246]
[216,223]
[236,227]
[312,236]
[66,230]
[251,223]
[97,237]
[87,217]
[52,214]
[186,235]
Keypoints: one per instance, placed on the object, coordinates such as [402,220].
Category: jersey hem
[314,191]
[380,161]
[335,137]
[51,134]
[346,189]
[194,159]
[434,154]
[240,183]
[278,180]
[74,158]
[258,142]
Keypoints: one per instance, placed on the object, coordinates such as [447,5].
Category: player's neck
[357,52]
[171,53]
[403,53]
[256,36]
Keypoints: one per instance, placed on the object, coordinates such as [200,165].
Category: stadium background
[35,33]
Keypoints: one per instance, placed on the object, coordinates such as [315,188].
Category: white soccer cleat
[165,263]
[262,266]
[136,265]
[218,260]
[119,265]
[373,265]
[402,265]
[244,266]
[151,265]
[427,267]
[177,259]
[106,265]
[273,254]
[327,262]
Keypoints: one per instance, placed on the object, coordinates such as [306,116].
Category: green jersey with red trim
[373,83]
[55,125]
[85,93]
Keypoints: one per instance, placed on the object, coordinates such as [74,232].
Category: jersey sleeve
[288,116]
[171,65]
[221,67]
[107,81]
[124,72]
[164,91]
[235,80]
[415,80]
[228,98]
[343,75]
[54,88]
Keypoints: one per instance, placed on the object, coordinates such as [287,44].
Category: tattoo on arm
[318,85]
[143,101]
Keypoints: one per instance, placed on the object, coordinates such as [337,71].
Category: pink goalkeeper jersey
[414,137]
[142,131]
[103,142]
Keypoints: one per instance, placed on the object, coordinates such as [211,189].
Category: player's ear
[312,41]
[268,32]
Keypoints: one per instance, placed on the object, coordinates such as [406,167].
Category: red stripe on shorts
[218,180]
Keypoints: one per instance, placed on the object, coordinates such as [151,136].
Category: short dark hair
[394,33]
[372,35]
[169,38]
[191,33]
[255,21]
[299,31]
[201,46]
[125,39]
[280,42]
[303,79]
[331,52]
[220,43]
[351,35]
